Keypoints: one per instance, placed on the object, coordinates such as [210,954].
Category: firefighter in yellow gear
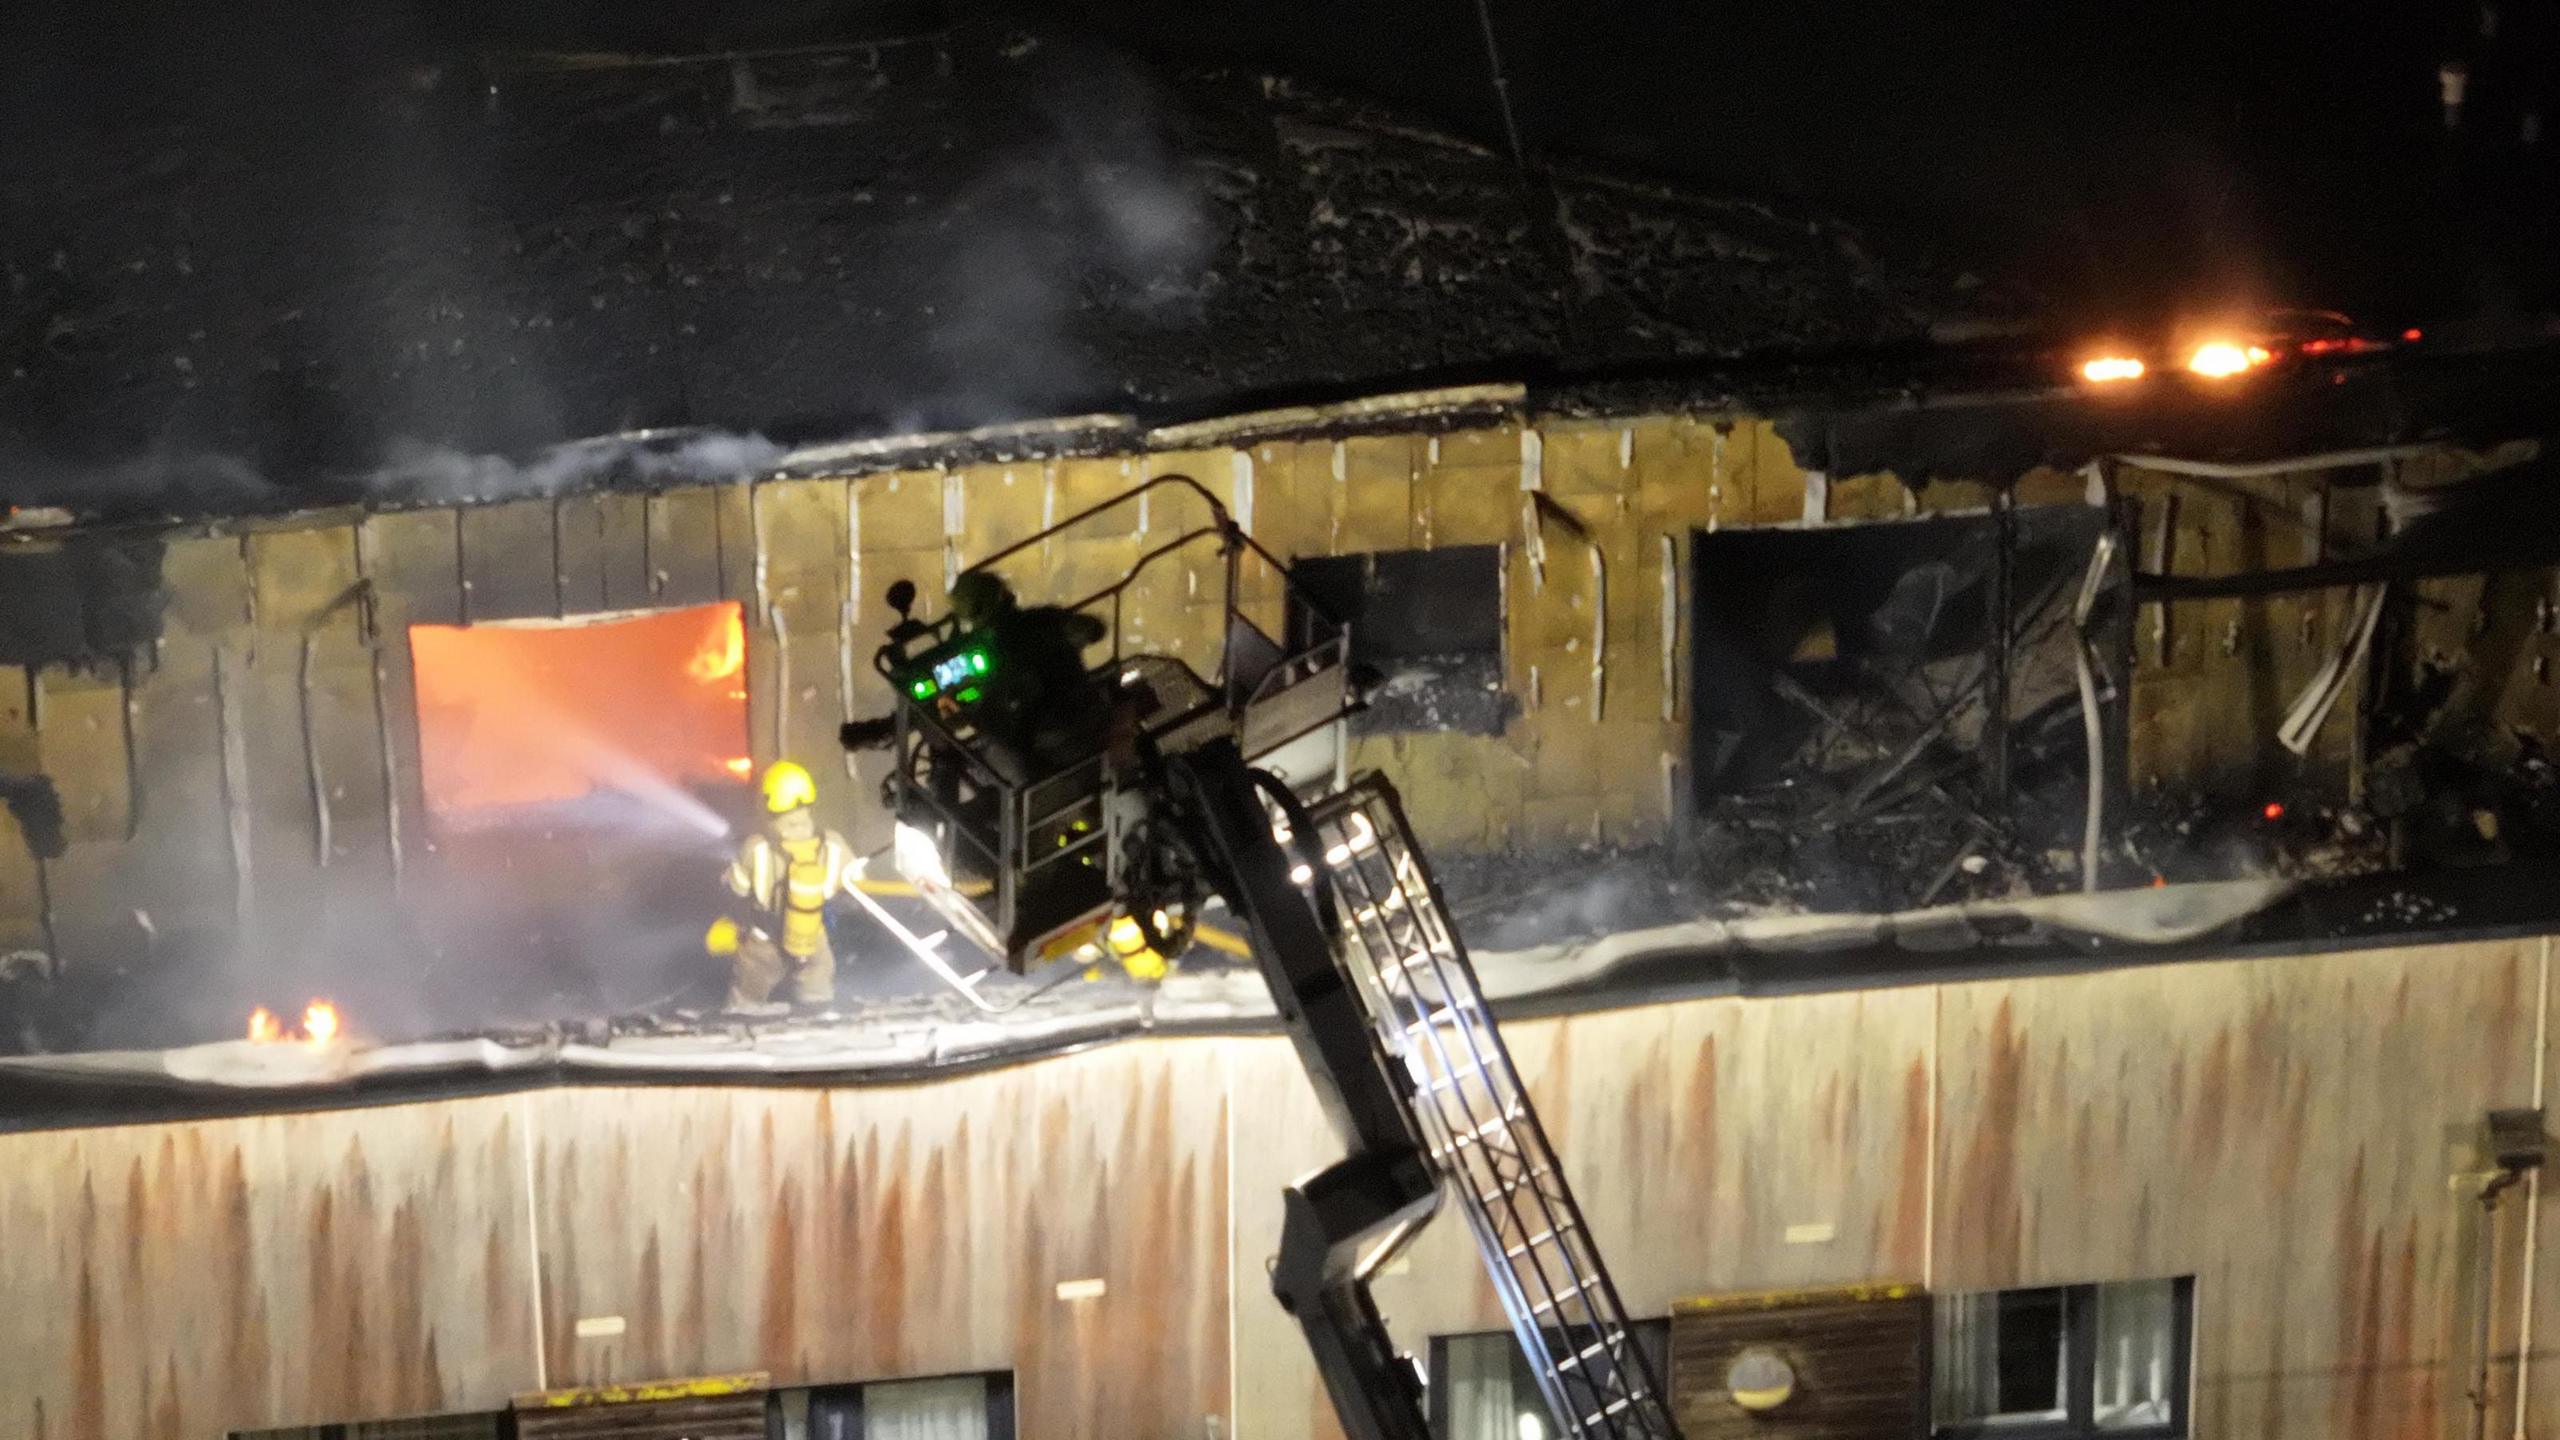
[783,876]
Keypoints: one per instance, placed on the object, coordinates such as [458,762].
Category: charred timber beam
[1999,639]
[2541,551]
[2506,520]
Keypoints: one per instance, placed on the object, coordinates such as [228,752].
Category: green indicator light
[922,690]
[969,696]
[978,661]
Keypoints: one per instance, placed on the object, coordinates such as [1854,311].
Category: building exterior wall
[2285,1130]
[258,772]
[182,1281]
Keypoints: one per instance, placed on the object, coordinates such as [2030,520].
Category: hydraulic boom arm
[1379,997]
[1350,930]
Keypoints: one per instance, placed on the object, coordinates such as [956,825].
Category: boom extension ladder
[1379,996]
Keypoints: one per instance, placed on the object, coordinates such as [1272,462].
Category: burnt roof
[495,254]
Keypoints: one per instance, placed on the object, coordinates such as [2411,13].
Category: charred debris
[1906,755]
[491,253]
[1946,726]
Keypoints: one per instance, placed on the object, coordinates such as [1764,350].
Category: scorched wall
[247,783]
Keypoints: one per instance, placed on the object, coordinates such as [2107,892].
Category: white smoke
[1095,213]
[414,471]
[176,482]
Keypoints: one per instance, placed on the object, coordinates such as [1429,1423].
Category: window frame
[1002,1421]
[1348,582]
[432,777]
[1652,1335]
[2080,1372]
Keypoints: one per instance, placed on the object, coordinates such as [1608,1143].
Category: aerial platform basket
[1027,862]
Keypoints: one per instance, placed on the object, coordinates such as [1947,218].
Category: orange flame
[320,1025]
[724,654]
[741,766]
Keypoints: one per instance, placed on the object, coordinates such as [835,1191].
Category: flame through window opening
[648,707]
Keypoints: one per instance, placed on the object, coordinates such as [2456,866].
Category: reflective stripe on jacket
[793,880]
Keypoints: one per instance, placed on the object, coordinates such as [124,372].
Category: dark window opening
[1856,725]
[2065,1363]
[1427,626]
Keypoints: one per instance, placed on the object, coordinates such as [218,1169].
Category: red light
[2274,810]
[2413,335]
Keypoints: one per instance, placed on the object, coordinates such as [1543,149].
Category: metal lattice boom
[1485,1139]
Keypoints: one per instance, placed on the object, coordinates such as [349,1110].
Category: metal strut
[1378,994]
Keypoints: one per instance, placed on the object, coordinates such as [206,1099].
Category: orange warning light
[2222,359]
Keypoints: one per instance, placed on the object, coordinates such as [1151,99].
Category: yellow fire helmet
[787,787]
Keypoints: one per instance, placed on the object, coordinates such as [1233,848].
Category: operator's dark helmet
[978,597]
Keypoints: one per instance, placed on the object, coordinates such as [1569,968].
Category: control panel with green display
[956,669]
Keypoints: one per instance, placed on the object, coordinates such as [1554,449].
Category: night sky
[2131,157]
[2131,154]
[2119,165]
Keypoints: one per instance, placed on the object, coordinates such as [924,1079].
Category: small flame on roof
[320,1025]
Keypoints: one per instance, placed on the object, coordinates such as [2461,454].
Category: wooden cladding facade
[2275,1127]
[252,770]
[1860,1359]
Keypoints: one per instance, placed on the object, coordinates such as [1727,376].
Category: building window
[534,719]
[1483,1388]
[949,1407]
[2065,1361]
[577,778]
[1839,692]
[1426,623]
